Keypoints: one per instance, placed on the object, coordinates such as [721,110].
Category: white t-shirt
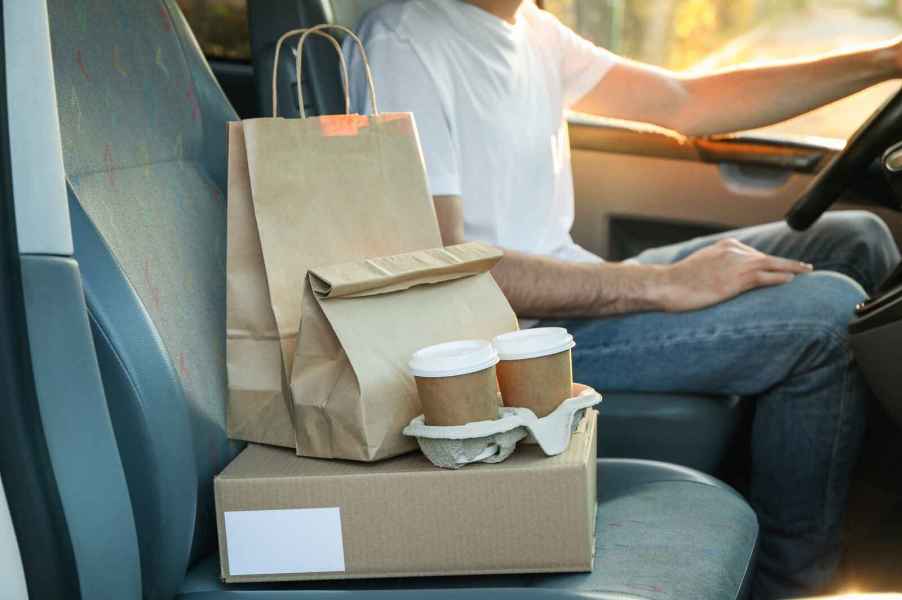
[488,98]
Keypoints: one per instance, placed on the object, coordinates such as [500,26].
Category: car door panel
[639,185]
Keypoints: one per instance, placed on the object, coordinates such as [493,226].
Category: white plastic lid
[453,358]
[533,343]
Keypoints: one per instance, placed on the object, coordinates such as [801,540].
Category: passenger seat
[144,143]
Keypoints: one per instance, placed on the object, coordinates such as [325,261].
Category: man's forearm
[538,286]
[739,98]
[756,96]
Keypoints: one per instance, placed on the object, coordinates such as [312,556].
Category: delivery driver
[488,82]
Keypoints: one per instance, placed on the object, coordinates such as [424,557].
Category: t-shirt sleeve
[403,84]
[582,64]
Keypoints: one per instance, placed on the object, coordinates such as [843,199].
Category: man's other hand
[722,271]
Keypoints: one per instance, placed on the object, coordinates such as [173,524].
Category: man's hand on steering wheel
[880,131]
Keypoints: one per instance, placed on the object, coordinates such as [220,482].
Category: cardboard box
[285,518]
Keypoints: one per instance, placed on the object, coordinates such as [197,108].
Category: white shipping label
[272,542]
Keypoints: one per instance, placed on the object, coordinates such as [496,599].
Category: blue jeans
[785,347]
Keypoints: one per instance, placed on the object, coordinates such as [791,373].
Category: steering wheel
[882,129]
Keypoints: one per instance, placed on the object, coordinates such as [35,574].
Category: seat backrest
[143,125]
[269,19]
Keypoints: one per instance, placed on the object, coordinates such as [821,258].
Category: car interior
[112,312]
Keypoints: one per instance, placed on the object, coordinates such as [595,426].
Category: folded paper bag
[352,391]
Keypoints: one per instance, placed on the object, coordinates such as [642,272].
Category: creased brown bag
[304,193]
[362,321]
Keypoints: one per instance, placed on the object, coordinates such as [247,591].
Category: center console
[876,330]
[876,336]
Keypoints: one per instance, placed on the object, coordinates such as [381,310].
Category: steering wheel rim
[882,129]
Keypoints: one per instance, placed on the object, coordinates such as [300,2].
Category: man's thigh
[819,244]
[743,346]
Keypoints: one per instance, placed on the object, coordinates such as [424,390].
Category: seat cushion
[690,430]
[663,532]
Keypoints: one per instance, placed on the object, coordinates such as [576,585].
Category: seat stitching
[135,166]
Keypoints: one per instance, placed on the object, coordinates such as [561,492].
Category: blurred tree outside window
[700,35]
[220,27]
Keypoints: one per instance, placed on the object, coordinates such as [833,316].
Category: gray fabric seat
[143,128]
[686,429]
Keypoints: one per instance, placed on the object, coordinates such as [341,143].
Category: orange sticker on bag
[342,125]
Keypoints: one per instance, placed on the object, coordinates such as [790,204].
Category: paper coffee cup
[456,382]
[535,369]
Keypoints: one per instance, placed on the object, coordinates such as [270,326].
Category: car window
[695,35]
[220,27]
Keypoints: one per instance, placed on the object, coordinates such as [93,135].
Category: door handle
[752,179]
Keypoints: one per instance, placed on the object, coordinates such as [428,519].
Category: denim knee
[865,237]
[826,301]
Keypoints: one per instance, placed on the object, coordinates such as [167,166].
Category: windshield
[699,35]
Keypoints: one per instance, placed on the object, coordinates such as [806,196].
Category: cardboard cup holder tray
[493,441]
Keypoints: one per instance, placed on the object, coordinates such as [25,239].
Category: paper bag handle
[318,30]
[366,64]
[343,65]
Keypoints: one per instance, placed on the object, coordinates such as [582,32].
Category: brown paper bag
[362,321]
[303,193]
